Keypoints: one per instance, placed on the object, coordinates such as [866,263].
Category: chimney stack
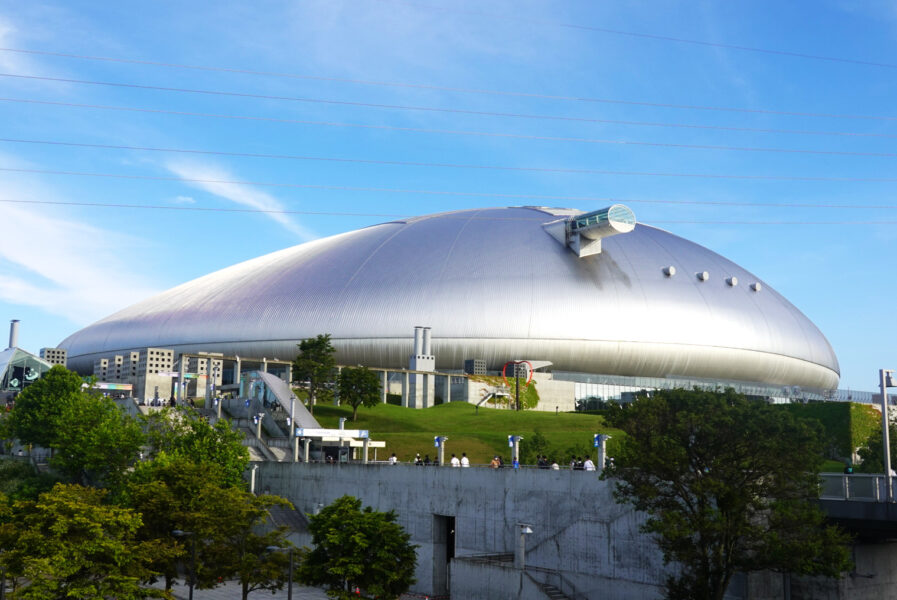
[13,333]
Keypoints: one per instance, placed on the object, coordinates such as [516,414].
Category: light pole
[886,380]
[192,582]
[290,574]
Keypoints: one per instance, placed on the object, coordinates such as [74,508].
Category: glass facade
[624,389]
[617,213]
[19,369]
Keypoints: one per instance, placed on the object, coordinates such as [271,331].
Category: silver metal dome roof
[492,284]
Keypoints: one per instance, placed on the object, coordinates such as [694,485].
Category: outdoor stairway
[553,593]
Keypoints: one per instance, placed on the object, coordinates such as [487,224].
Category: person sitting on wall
[417,460]
[392,459]
[427,460]
[455,462]
[495,464]
[465,462]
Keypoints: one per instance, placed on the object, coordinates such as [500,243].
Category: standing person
[427,460]
[579,463]
[495,464]
[392,459]
[455,462]
[572,463]
[588,465]
[555,466]
[417,460]
[465,462]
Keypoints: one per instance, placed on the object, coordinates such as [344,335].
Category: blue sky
[563,63]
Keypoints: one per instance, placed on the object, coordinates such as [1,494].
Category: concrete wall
[578,528]
[580,534]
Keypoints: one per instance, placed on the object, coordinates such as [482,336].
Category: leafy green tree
[68,544]
[358,386]
[96,442]
[726,484]
[872,453]
[20,480]
[168,492]
[359,548]
[315,363]
[38,414]
[235,541]
[186,434]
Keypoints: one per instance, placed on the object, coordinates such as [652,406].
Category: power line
[452,131]
[437,109]
[440,165]
[388,215]
[448,192]
[651,36]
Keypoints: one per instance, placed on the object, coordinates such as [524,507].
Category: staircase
[553,593]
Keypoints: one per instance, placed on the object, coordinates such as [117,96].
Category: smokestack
[426,344]
[13,333]
[418,340]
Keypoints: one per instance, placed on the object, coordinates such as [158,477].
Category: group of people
[576,462]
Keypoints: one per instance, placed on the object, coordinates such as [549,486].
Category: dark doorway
[443,552]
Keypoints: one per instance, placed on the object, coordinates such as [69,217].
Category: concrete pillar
[384,386]
[181,385]
[520,550]
[406,390]
[365,456]
[306,450]
[237,373]
[290,375]
[336,387]
[258,426]
[448,389]
[295,449]
[264,365]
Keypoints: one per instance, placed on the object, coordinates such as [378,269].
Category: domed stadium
[589,292]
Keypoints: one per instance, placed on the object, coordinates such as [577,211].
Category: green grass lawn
[481,434]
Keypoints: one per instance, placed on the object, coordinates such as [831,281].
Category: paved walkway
[231,591]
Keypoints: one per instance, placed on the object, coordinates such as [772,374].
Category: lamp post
[290,574]
[192,582]
[886,380]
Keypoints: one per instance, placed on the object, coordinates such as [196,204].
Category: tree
[315,363]
[168,491]
[235,541]
[872,453]
[38,413]
[20,480]
[185,434]
[96,442]
[358,386]
[726,484]
[68,544]
[359,548]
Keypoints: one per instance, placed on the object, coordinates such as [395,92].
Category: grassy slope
[481,434]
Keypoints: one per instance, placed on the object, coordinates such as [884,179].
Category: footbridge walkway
[861,504]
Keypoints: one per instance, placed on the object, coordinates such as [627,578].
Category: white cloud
[184,200]
[202,176]
[63,266]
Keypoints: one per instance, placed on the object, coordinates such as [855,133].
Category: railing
[857,487]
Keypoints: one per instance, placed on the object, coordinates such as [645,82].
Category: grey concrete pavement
[231,590]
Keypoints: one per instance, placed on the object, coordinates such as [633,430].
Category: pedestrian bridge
[861,504]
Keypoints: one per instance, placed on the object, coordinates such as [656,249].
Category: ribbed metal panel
[492,284]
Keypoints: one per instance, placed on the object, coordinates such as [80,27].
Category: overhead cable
[650,36]
[425,192]
[433,164]
[437,109]
[498,134]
